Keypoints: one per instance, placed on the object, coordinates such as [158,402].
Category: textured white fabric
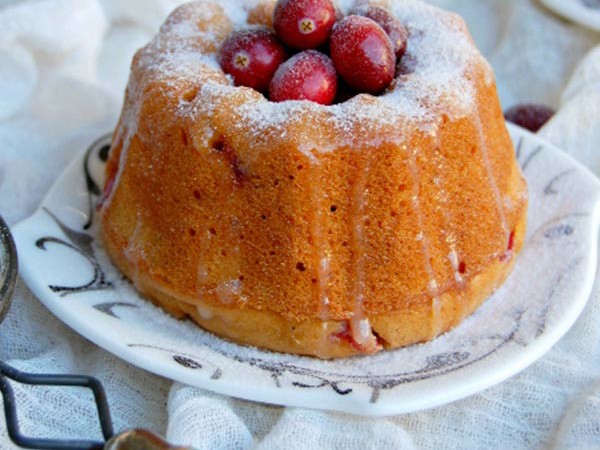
[63,67]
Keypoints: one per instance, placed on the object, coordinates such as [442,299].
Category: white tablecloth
[63,68]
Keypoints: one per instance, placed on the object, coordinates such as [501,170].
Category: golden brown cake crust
[328,339]
[298,227]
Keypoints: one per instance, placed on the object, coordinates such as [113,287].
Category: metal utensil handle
[8,274]
[10,411]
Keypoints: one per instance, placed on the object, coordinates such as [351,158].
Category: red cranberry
[309,75]
[362,54]
[251,57]
[304,24]
[511,241]
[529,116]
[390,24]
[507,255]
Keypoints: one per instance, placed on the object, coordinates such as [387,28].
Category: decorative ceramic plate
[64,264]
[584,12]
[8,268]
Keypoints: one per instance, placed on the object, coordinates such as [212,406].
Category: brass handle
[139,440]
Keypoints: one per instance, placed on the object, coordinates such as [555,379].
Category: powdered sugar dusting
[440,54]
[346,5]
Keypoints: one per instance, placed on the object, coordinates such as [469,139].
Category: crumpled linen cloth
[63,68]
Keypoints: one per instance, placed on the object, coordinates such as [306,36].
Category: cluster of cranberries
[362,49]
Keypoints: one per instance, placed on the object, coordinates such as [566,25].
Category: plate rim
[534,351]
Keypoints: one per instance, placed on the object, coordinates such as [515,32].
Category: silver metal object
[8,268]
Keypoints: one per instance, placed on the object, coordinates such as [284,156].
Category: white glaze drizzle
[444,207]
[322,254]
[451,241]
[432,287]
[360,327]
[490,176]
[229,291]
[133,252]
[359,241]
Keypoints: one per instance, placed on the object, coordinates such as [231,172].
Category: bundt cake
[377,222]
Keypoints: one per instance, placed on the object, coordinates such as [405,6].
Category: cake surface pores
[321,230]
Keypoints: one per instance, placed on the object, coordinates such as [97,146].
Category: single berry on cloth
[529,116]
[309,75]
[304,24]
[390,24]
[251,57]
[363,54]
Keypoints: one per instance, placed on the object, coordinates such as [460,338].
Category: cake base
[420,321]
